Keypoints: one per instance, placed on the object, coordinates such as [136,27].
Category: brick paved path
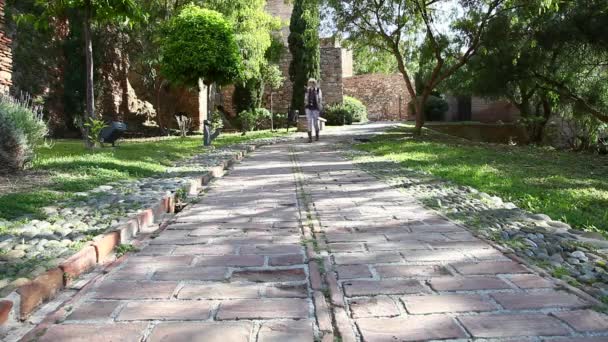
[256,260]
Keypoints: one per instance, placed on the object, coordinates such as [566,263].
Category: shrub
[95,127]
[337,115]
[21,129]
[281,120]
[351,110]
[254,119]
[184,123]
[356,108]
[262,118]
[216,120]
[434,109]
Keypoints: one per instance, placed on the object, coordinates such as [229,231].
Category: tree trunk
[164,129]
[420,104]
[58,119]
[547,111]
[410,89]
[271,113]
[90,105]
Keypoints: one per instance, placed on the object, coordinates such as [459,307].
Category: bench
[303,123]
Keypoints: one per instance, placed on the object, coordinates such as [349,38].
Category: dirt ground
[23,181]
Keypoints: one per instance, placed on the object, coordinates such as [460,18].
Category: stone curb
[22,302]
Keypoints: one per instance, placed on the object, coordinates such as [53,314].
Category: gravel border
[579,259]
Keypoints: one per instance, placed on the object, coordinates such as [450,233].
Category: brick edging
[22,302]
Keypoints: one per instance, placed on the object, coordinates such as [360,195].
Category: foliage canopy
[200,44]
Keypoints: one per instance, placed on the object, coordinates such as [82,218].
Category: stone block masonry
[331,75]
[331,81]
[6,56]
[385,96]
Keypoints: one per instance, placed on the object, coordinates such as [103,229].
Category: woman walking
[313,100]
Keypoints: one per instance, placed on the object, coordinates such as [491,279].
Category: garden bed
[44,233]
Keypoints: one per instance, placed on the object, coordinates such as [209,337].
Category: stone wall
[331,81]
[347,63]
[281,98]
[6,57]
[281,9]
[484,110]
[385,96]
[169,100]
[336,63]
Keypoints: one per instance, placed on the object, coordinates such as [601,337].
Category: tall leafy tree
[546,63]
[405,28]
[93,12]
[252,26]
[304,48]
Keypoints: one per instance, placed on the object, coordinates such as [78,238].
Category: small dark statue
[208,136]
[112,133]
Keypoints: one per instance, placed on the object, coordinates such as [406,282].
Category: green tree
[545,63]
[92,11]
[199,44]
[368,59]
[273,79]
[304,48]
[253,27]
[408,28]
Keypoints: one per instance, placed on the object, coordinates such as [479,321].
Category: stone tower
[336,63]
[281,9]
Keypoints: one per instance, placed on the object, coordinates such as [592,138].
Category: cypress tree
[304,48]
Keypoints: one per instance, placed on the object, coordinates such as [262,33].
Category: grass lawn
[71,168]
[570,187]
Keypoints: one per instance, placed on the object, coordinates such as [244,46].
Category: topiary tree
[253,26]
[304,48]
[199,44]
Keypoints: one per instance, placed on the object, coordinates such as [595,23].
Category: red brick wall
[6,57]
[385,96]
[493,111]
[484,110]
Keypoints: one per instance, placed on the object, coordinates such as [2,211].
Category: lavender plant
[22,127]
